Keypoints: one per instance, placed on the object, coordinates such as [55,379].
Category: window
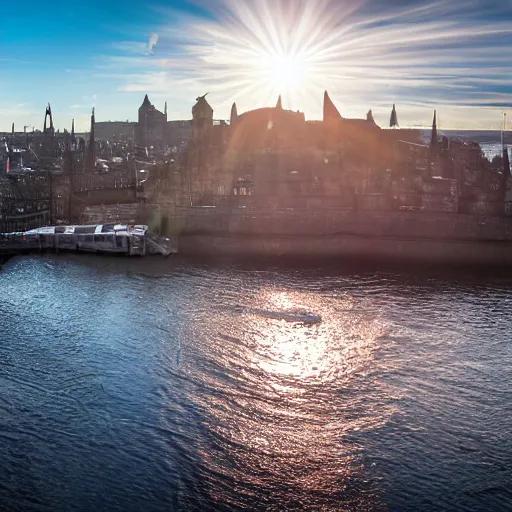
[85,229]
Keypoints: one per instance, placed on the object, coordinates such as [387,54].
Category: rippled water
[169,385]
[491,149]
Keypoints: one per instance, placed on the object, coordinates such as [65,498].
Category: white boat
[132,240]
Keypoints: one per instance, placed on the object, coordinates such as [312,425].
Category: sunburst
[366,53]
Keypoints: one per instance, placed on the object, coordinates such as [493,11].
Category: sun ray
[365,53]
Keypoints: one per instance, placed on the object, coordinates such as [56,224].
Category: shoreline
[350,247]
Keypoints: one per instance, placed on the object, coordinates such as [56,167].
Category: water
[489,140]
[151,385]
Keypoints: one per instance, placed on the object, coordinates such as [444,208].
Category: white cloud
[153,40]
[426,56]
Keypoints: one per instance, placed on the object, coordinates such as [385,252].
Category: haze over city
[420,55]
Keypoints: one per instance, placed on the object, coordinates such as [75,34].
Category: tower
[91,150]
[202,117]
[393,120]
[73,141]
[234,115]
[506,172]
[151,126]
[279,104]
[48,114]
[433,138]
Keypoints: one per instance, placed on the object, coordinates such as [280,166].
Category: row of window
[69,238]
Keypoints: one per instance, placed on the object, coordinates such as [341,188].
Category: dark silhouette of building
[276,152]
[91,150]
[116,131]
[393,120]
[151,130]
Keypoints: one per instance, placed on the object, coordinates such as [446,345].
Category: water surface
[174,385]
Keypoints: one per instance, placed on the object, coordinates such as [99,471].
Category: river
[165,385]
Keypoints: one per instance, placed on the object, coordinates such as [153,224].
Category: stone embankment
[319,232]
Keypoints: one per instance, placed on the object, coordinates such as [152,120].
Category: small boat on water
[290,315]
[125,239]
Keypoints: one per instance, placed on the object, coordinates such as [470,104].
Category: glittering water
[166,385]
[491,149]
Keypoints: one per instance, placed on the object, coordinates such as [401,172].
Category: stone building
[178,132]
[282,160]
[151,130]
[116,131]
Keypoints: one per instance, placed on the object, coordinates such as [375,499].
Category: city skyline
[368,55]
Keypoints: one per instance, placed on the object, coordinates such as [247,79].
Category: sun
[284,73]
[287,72]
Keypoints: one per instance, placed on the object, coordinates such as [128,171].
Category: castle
[278,156]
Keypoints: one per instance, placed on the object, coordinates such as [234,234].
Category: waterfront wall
[351,248]
[313,233]
[314,222]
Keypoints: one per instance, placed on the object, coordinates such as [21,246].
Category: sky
[454,56]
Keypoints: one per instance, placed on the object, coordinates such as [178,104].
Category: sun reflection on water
[284,402]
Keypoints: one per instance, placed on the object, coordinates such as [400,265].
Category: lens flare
[286,73]
[366,53]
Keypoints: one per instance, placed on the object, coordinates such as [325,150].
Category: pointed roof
[433,139]
[234,114]
[330,111]
[393,120]
[279,104]
[146,102]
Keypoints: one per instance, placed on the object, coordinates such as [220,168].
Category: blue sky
[455,56]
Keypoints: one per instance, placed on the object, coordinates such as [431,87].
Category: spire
[369,116]
[506,171]
[47,114]
[433,139]
[393,120]
[234,115]
[91,153]
[146,102]
[52,129]
[330,111]
[279,104]
[72,140]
